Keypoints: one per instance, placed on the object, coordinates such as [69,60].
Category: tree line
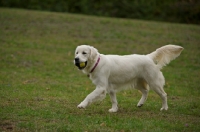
[181,11]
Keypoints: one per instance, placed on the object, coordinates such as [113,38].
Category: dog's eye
[84,53]
[76,52]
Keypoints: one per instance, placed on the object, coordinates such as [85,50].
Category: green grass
[40,87]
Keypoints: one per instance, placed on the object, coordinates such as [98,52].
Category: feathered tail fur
[162,56]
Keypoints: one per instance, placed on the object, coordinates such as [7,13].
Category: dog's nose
[76,59]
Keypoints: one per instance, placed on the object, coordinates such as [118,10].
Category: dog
[112,73]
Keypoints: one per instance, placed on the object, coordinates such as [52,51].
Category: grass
[40,87]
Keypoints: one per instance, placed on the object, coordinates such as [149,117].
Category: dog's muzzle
[80,65]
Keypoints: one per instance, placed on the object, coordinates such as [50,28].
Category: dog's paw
[113,110]
[82,106]
[139,105]
[164,108]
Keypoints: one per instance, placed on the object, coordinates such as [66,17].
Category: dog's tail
[162,56]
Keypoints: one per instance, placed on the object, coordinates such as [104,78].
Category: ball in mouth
[81,65]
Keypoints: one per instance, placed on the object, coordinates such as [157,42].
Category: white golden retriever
[111,73]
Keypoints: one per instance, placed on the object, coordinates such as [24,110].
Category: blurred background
[178,11]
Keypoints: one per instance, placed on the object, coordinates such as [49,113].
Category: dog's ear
[93,53]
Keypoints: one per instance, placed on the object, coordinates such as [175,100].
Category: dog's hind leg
[163,95]
[114,102]
[144,88]
[157,85]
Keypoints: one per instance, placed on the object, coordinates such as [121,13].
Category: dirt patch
[7,126]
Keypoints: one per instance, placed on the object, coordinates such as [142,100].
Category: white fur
[114,73]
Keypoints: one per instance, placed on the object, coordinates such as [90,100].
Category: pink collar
[95,65]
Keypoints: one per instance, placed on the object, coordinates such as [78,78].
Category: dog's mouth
[81,65]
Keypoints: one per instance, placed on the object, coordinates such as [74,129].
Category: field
[40,87]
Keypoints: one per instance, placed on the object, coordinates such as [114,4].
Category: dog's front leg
[98,94]
[114,102]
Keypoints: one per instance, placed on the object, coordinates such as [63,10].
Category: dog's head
[84,56]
